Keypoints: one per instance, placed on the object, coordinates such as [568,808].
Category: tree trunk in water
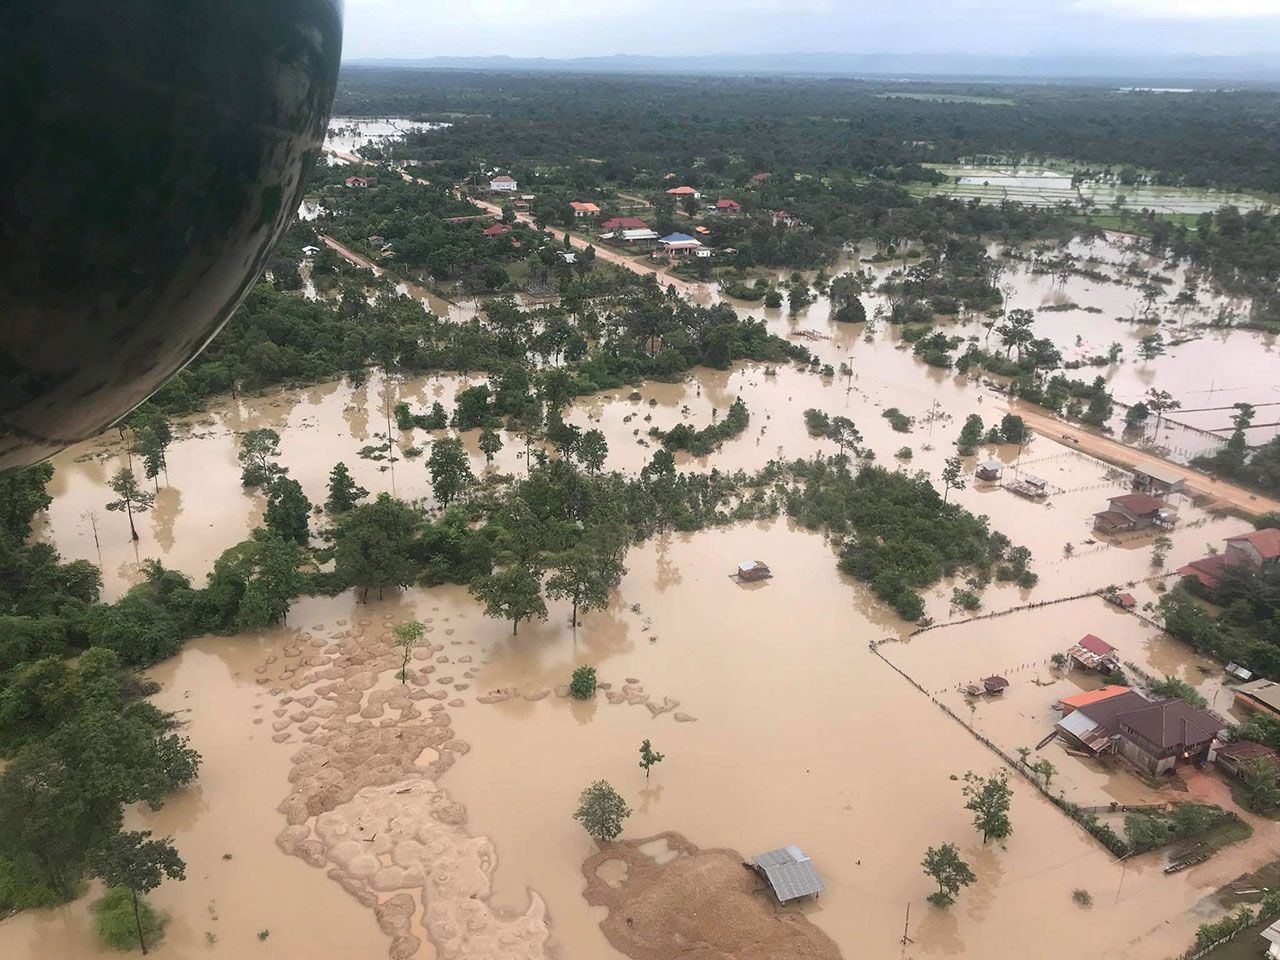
[575,613]
[515,626]
[137,919]
[133,531]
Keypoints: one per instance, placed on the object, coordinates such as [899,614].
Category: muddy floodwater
[779,723]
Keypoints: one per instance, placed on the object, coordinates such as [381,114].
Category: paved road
[1104,448]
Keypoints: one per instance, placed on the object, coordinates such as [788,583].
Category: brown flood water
[800,734]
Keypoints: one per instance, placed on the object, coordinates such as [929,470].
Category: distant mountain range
[1167,69]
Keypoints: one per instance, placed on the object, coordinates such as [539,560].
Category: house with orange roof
[684,191]
[1068,704]
[581,209]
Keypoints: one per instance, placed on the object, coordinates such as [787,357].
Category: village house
[1158,481]
[1125,601]
[503,183]
[1094,653]
[989,470]
[497,230]
[1258,696]
[679,245]
[624,223]
[1153,735]
[1033,488]
[780,218]
[360,182]
[752,570]
[686,191]
[789,872]
[725,205]
[1134,511]
[641,236]
[568,256]
[1070,704]
[581,209]
[1254,550]
[310,251]
[1235,757]
[761,177]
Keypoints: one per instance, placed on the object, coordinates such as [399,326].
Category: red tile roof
[726,204]
[1247,750]
[1266,542]
[497,230]
[682,191]
[1096,645]
[624,223]
[1208,570]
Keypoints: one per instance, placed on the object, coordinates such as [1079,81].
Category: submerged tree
[989,798]
[951,873]
[601,811]
[259,450]
[589,571]
[130,497]
[407,635]
[344,492]
[133,861]
[648,757]
[289,511]
[450,469]
[490,443]
[513,593]
[952,478]
[582,685]
[374,547]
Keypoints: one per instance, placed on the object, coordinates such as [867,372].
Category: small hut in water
[751,570]
[989,470]
[790,873]
[994,684]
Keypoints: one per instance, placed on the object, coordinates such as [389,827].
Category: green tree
[344,492]
[592,451]
[970,435]
[589,571]
[450,469]
[1174,688]
[1137,415]
[1046,769]
[1161,401]
[259,450]
[289,510]
[602,811]
[375,544]
[253,583]
[407,634]
[133,861]
[22,496]
[1261,786]
[948,871]
[490,444]
[648,757]
[952,477]
[1013,429]
[989,798]
[152,435]
[130,497]
[513,593]
[582,685]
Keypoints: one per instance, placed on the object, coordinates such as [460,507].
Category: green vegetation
[988,798]
[702,442]
[1177,689]
[582,686]
[1146,831]
[407,634]
[134,863]
[898,420]
[649,757]
[602,811]
[123,923]
[1241,624]
[944,866]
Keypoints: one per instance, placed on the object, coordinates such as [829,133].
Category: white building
[503,182]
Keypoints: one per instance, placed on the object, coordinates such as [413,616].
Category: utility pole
[905,924]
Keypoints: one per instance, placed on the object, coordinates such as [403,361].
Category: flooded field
[779,723]
[1050,187]
[348,134]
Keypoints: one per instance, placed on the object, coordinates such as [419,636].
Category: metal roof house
[989,470]
[1259,696]
[1159,480]
[1094,653]
[750,570]
[790,873]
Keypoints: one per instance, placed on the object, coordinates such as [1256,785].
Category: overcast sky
[571,28]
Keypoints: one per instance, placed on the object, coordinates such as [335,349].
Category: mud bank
[689,904]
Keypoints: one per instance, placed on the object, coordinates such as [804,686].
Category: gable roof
[1091,696]
[679,238]
[1266,542]
[497,229]
[1096,645]
[726,204]
[584,207]
[790,872]
[1266,692]
[1247,750]
[502,179]
[624,223]
[1207,570]
[1159,471]
[1138,503]
[682,191]
[1172,723]
[1104,712]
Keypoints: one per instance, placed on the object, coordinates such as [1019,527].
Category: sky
[576,28]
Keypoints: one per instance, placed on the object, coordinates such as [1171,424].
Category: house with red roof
[725,205]
[623,223]
[359,181]
[1254,550]
[581,209]
[1134,511]
[1154,735]
[497,230]
[760,177]
[1094,653]
[684,191]
[789,221]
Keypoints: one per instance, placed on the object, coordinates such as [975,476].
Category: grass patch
[114,922]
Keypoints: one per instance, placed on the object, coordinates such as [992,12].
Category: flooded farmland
[780,725]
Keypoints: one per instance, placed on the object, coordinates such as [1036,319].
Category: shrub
[1082,897]
[898,420]
[114,921]
[583,684]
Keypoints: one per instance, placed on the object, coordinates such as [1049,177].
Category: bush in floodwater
[965,599]
[115,924]
[898,420]
[904,453]
[583,684]
[1082,897]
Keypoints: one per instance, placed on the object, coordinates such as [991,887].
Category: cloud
[1182,9]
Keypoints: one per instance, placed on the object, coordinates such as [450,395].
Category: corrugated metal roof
[790,872]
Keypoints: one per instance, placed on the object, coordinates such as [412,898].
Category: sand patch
[698,905]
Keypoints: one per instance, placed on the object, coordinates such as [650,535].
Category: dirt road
[1104,448]
[604,253]
[346,253]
